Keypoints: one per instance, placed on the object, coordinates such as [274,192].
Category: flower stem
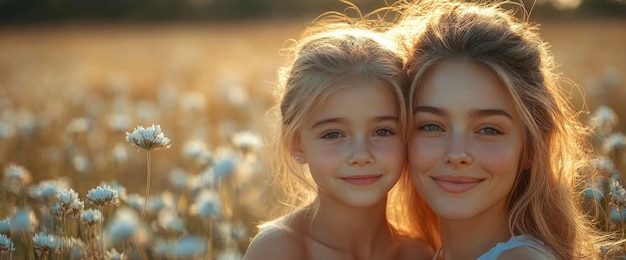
[145,204]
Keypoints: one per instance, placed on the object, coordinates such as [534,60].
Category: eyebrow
[339,120]
[473,113]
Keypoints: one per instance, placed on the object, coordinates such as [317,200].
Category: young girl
[496,151]
[343,115]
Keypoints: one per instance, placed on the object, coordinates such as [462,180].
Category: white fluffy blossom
[46,244]
[48,189]
[148,138]
[207,205]
[67,204]
[103,195]
[15,178]
[124,226]
[618,194]
[186,247]
[247,141]
[91,217]
[6,245]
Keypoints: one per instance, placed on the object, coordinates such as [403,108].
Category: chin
[454,214]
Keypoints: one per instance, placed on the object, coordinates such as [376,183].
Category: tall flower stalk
[148,138]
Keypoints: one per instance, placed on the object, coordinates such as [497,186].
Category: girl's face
[467,142]
[353,146]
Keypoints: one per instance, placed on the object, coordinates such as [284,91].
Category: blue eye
[383,132]
[489,131]
[332,135]
[430,128]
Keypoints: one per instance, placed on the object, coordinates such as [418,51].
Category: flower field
[151,141]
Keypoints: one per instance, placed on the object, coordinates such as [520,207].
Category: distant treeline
[37,11]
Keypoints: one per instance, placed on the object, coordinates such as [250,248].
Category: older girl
[496,150]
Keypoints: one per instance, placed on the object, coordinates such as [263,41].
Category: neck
[353,230]
[471,238]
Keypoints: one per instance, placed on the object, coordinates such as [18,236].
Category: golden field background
[202,82]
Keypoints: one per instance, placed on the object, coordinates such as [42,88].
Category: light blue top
[516,241]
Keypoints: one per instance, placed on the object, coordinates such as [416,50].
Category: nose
[360,152]
[458,154]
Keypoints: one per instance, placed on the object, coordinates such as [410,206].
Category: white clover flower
[5,226]
[224,167]
[17,172]
[236,94]
[135,201]
[27,123]
[195,149]
[170,222]
[78,125]
[618,194]
[114,255]
[7,129]
[148,138]
[46,244]
[617,214]
[186,247]
[103,195]
[603,164]
[91,217]
[207,205]
[80,163]
[178,178]
[47,189]
[23,220]
[67,204]
[121,190]
[614,142]
[123,227]
[247,141]
[15,178]
[231,254]
[603,120]
[75,247]
[5,244]
[232,231]
[155,203]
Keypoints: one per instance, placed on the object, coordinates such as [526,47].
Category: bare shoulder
[278,240]
[412,248]
[525,252]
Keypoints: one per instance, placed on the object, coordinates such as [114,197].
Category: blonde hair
[544,201]
[334,50]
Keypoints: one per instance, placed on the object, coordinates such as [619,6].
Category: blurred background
[76,75]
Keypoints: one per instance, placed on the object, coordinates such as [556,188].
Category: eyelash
[337,134]
[429,128]
[388,132]
[491,129]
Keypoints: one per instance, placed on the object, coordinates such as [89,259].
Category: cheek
[392,153]
[503,160]
[420,153]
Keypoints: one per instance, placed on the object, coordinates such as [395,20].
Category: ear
[295,149]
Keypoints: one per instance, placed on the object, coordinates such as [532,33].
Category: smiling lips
[362,180]
[456,184]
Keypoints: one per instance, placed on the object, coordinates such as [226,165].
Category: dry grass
[56,74]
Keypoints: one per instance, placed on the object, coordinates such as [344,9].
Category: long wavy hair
[332,51]
[544,201]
